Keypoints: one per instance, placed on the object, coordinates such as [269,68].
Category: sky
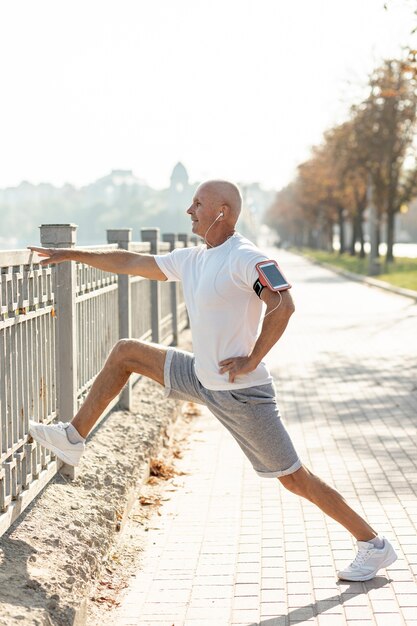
[235,89]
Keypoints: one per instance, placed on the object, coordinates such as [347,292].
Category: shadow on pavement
[332,383]
[304,613]
[363,395]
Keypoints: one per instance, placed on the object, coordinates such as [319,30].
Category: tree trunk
[352,249]
[342,237]
[390,235]
[361,237]
[378,235]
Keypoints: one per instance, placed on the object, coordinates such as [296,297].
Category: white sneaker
[369,561]
[54,437]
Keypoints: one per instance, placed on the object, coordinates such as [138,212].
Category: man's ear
[224,209]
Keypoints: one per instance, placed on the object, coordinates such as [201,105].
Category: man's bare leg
[130,355]
[127,356]
[304,483]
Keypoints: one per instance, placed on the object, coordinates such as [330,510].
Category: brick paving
[231,548]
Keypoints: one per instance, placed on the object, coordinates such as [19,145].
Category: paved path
[232,548]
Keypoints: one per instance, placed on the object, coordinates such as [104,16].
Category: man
[227,373]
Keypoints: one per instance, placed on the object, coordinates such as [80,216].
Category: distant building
[179,178]
[180,191]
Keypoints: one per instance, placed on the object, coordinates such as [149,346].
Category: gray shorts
[251,415]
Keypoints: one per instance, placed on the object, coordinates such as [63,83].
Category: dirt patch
[51,559]
[126,555]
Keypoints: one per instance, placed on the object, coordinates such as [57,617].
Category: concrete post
[64,236]
[123,237]
[172,239]
[152,236]
[184,238]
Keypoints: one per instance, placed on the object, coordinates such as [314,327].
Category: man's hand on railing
[53,255]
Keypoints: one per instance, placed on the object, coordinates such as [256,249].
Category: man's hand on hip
[237,366]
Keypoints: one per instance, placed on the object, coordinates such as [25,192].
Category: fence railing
[57,326]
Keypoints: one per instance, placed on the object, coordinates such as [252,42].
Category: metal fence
[57,326]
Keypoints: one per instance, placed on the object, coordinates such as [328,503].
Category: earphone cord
[208,244]
[275,308]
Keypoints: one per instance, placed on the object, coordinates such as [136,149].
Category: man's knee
[298,482]
[144,358]
[123,351]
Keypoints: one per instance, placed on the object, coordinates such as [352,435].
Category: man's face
[203,210]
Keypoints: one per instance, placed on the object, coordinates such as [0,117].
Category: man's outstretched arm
[117,261]
[272,328]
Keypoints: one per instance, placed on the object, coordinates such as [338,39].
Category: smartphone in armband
[270,276]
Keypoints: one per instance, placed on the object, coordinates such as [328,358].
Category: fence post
[152,236]
[123,237]
[64,236]
[184,238]
[172,239]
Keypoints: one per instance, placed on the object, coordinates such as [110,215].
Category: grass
[401,273]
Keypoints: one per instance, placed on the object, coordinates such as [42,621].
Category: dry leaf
[159,468]
[146,501]
[191,409]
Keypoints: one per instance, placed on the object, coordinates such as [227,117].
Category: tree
[286,216]
[349,171]
[377,144]
[386,125]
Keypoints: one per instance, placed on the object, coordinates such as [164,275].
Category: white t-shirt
[224,310]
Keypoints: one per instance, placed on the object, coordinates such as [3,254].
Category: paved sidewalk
[232,548]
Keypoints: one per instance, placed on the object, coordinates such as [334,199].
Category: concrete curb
[162,439]
[81,611]
[360,278]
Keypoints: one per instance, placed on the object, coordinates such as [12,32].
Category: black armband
[258,287]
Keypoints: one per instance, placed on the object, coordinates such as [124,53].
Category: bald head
[224,193]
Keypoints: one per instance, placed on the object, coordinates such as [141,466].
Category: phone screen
[274,275]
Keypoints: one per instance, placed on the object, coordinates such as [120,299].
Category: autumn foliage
[374,150]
